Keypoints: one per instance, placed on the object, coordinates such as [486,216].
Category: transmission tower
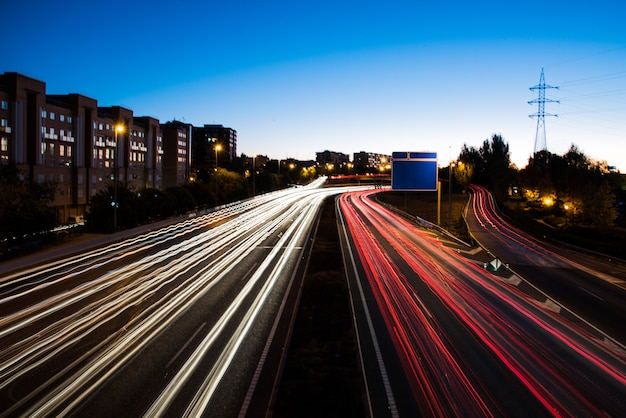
[540,137]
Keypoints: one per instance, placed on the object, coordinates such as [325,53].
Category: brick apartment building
[81,147]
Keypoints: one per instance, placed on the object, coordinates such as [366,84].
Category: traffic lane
[388,392]
[121,324]
[115,327]
[502,335]
[127,285]
[598,303]
[168,353]
[437,342]
[581,289]
[206,395]
[573,341]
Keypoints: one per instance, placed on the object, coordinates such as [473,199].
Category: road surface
[442,336]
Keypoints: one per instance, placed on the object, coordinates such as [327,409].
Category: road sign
[414,171]
[494,265]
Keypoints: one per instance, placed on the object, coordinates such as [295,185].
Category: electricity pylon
[540,137]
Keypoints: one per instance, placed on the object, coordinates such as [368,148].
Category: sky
[299,77]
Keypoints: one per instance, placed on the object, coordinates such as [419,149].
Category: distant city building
[364,159]
[331,157]
[213,146]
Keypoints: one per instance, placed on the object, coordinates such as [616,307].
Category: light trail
[152,290]
[564,367]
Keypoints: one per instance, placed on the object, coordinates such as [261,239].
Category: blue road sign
[414,171]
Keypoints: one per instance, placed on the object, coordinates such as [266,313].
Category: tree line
[569,189]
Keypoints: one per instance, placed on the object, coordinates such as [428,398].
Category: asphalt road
[442,336]
[590,287]
[180,321]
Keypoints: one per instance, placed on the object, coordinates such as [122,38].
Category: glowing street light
[217,147]
[119,128]
[253,175]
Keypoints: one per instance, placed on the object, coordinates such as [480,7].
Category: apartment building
[364,159]
[213,146]
[176,153]
[81,147]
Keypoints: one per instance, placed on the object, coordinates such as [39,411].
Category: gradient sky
[298,77]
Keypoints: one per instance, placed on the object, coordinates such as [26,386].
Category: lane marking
[591,293]
[185,346]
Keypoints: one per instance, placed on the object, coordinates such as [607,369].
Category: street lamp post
[450,168]
[118,129]
[217,147]
[253,175]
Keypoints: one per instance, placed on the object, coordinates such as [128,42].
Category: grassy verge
[322,376]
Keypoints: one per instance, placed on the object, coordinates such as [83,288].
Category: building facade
[371,160]
[176,153]
[82,148]
[331,157]
[213,146]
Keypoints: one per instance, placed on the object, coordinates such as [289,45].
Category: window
[44,114]
[62,118]
[4,144]
[51,115]
[69,151]
[69,119]
[4,123]
[51,149]
[5,104]
[62,150]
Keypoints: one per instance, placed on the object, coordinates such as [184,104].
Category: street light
[450,168]
[119,128]
[253,175]
[217,147]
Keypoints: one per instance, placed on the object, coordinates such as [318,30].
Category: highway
[593,289]
[439,335]
[180,321]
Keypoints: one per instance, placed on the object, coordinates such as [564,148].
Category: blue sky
[297,77]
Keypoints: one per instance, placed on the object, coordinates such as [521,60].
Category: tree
[463,173]
[600,208]
[101,213]
[25,207]
[491,164]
